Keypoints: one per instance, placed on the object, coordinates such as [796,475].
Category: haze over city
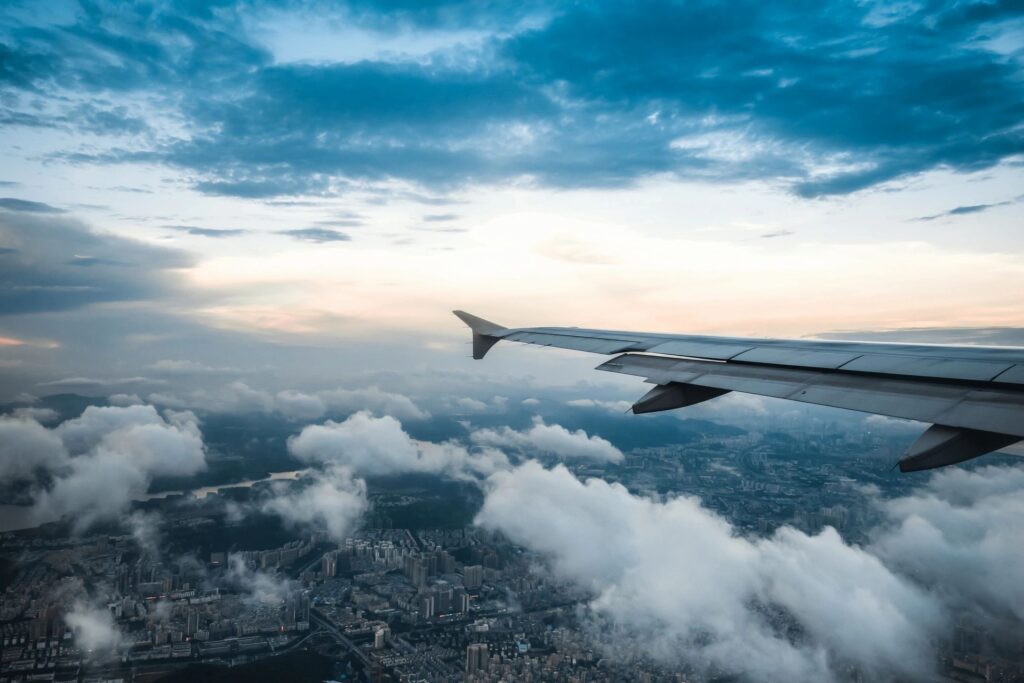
[241,429]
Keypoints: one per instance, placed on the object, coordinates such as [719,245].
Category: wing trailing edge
[973,396]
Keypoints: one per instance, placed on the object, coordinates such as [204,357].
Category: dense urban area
[418,593]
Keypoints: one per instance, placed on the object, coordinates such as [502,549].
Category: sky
[293,191]
[272,207]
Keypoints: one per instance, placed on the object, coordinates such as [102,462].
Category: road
[325,624]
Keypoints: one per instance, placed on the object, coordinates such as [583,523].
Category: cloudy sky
[288,191]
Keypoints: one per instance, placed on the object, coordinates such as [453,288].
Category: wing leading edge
[972,396]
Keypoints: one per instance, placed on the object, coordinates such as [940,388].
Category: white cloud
[378,445]
[85,432]
[610,406]
[260,587]
[187,367]
[296,405]
[239,397]
[115,453]
[94,630]
[36,413]
[78,382]
[675,578]
[374,400]
[25,447]
[334,501]
[470,404]
[961,534]
[553,439]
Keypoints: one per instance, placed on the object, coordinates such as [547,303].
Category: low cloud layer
[332,500]
[379,446]
[94,630]
[962,536]
[552,440]
[295,405]
[93,466]
[678,581]
[260,587]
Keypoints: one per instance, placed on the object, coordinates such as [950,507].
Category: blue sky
[256,184]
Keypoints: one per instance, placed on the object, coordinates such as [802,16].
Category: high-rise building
[329,565]
[416,571]
[443,600]
[380,637]
[473,576]
[426,606]
[445,562]
[476,657]
[460,601]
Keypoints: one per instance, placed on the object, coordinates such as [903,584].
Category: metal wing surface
[973,396]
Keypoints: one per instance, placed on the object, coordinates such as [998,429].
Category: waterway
[17,517]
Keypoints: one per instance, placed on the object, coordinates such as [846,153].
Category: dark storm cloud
[56,263]
[319,235]
[26,206]
[825,98]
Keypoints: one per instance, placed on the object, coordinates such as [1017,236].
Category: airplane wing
[973,396]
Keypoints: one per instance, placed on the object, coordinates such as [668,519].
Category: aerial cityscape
[430,582]
[733,391]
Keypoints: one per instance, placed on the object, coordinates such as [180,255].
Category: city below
[419,592]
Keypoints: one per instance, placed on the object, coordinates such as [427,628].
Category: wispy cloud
[26,206]
[965,210]
[318,235]
[209,232]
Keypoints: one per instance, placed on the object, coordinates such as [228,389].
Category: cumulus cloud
[677,581]
[112,456]
[610,406]
[375,400]
[376,446]
[27,448]
[260,587]
[333,501]
[551,439]
[94,630]
[961,535]
[299,406]
[470,404]
[36,413]
[239,397]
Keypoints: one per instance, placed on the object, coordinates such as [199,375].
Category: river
[17,517]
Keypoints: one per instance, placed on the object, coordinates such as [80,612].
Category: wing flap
[917,366]
[699,349]
[955,405]
[1014,375]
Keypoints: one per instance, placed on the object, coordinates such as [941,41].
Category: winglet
[484,333]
